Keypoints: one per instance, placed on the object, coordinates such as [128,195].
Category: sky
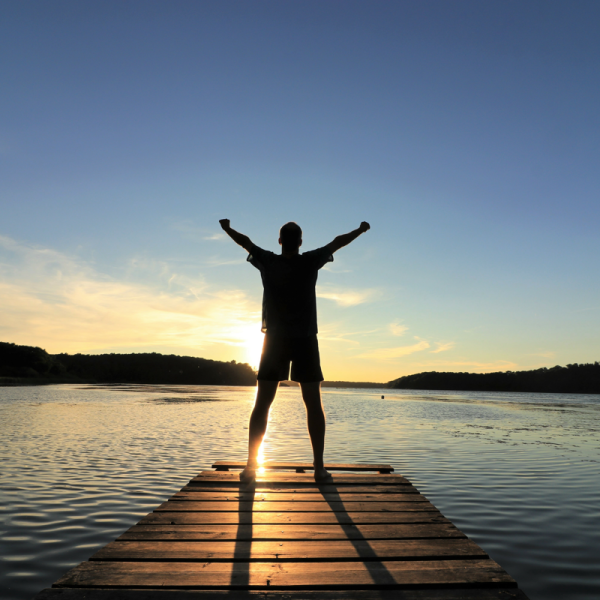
[466,133]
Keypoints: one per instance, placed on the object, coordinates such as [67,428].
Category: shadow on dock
[377,570]
[242,553]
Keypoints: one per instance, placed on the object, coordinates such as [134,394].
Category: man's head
[290,237]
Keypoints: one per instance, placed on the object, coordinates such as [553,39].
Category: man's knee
[311,394]
[265,393]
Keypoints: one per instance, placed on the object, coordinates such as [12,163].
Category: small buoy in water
[382,397]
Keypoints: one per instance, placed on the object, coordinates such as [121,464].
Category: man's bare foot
[321,474]
[248,474]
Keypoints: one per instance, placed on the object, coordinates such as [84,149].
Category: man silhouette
[289,321]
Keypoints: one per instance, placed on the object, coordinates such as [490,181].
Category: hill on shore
[572,379]
[29,364]
[22,365]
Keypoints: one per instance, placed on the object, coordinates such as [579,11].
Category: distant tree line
[28,364]
[353,384]
[572,379]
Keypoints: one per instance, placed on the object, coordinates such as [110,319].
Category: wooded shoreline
[572,379]
[29,365]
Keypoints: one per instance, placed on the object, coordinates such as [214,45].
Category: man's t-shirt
[289,304]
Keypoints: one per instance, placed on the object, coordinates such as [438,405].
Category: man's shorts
[279,351]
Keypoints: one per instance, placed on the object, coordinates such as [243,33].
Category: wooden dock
[365,535]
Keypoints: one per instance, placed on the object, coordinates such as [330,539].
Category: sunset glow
[252,342]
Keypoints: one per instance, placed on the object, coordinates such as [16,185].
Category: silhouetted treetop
[572,379]
[35,363]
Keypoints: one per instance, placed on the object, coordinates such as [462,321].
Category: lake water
[518,473]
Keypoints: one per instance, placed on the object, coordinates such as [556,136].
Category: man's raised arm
[343,240]
[239,238]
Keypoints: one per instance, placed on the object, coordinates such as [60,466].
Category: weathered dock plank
[275,487]
[281,507]
[295,518]
[285,537]
[203,496]
[357,594]
[278,575]
[289,532]
[408,502]
[265,479]
[225,465]
[291,551]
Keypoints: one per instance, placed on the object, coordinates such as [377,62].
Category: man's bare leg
[258,425]
[315,415]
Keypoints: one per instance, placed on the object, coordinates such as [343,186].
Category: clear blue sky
[466,133]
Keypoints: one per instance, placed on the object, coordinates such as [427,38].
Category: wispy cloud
[61,303]
[217,261]
[338,332]
[443,346]
[397,328]
[333,268]
[397,352]
[325,337]
[194,232]
[216,236]
[345,297]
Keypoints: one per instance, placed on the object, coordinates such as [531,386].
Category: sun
[252,339]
